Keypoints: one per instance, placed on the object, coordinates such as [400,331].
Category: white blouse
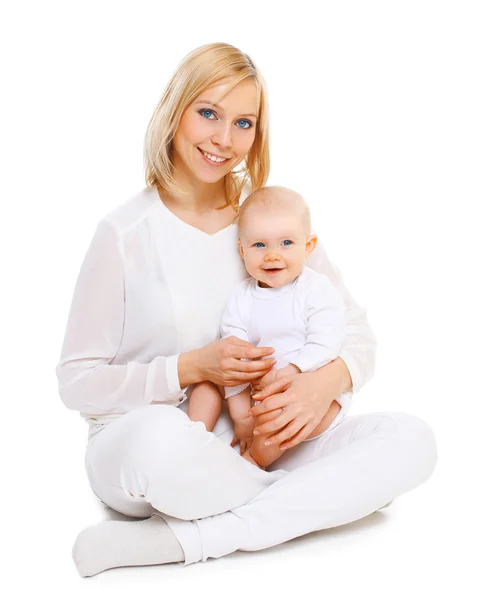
[151,287]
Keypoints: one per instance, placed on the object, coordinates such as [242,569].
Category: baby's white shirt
[304,321]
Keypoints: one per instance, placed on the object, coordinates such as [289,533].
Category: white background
[382,119]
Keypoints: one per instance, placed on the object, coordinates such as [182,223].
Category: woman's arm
[335,376]
[88,381]
[298,403]
[359,347]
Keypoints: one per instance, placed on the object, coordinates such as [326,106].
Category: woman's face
[216,132]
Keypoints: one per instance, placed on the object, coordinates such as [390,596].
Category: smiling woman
[210,143]
[143,335]
[210,127]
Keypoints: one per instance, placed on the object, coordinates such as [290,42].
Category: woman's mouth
[213,159]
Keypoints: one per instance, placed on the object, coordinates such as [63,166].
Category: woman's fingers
[245,377]
[254,369]
[273,425]
[302,435]
[272,403]
[242,349]
[285,434]
[256,365]
[251,365]
[276,387]
[293,429]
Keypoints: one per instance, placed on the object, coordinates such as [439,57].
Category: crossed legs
[155,461]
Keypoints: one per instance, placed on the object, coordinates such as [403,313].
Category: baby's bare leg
[205,404]
[266,455]
[262,454]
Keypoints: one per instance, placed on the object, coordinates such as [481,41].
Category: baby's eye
[258,244]
[286,243]
[206,112]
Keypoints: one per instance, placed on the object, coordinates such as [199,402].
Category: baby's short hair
[274,198]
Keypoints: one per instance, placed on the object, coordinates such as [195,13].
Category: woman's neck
[198,196]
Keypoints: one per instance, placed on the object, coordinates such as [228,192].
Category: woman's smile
[216,132]
[213,159]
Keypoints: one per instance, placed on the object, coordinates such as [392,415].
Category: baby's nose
[269,256]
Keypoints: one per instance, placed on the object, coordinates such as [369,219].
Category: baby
[284,305]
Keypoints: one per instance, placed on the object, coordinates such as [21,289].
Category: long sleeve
[232,325]
[88,381]
[359,347]
[326,326]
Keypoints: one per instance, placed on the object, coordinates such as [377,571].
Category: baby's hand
[243,432]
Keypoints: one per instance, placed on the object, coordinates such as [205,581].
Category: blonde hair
[275,198]
[203,68]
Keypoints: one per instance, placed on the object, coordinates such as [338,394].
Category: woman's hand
[298,403]
[259,384]
[221,361]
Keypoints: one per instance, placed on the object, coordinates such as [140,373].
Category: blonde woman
[143,329]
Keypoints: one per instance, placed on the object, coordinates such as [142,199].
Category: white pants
[155,460]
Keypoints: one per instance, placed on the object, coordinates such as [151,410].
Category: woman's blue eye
[205,112]
[256,245]
[244,124]
[289,242]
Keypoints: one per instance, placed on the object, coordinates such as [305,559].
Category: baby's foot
[249,458]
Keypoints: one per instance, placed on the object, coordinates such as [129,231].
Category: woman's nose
[223,137]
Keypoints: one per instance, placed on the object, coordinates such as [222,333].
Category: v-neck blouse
[189,227]
[150,288]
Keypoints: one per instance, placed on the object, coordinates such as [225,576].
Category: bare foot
[246,455]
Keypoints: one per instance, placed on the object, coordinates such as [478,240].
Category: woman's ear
[311,244]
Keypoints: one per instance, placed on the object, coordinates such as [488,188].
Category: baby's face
[274,246]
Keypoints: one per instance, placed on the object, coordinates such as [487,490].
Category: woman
[142,329]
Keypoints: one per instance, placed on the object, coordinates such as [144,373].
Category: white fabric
[303,320]
[151,287]
[155,460]
[112,544]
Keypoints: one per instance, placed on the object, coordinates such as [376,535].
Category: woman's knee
[134,441]
[418,442]
[163,432]
[181,469]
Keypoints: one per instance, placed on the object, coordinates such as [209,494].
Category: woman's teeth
[217,159]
